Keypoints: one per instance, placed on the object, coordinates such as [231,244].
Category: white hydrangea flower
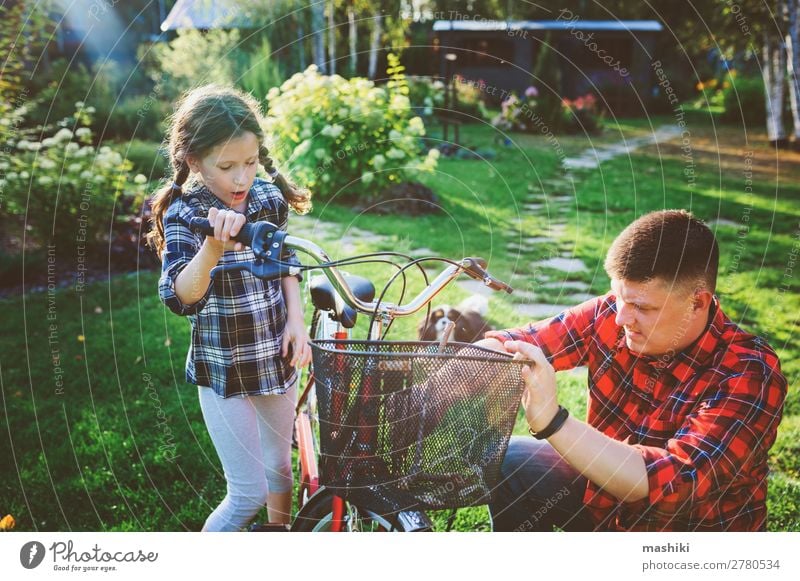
[12,175]
[34,146]
[394,135]
[378,161]
[302,149]
[416,126]
[4,165]
[333,131]
[45,180]
[22,144]
[46,163]
[49,142]
[83,132]
[367,177]
[395,153]
[140,179]
[320,153]
[63,135]
[74,167]
[24,175]
[86,175]
[305,134]
[72,147]
[79,104]
[98,178]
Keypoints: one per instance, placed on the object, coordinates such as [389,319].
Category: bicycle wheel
[317,516]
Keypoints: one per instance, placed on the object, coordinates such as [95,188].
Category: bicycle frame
[267,242]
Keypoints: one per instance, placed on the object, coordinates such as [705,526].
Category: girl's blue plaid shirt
[237,326]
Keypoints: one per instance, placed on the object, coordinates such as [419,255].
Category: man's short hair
[672,245]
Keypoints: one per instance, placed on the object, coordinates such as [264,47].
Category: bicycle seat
[325,297]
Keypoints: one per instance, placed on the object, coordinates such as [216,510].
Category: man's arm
[615,466]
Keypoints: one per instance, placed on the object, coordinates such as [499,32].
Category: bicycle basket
[403,426]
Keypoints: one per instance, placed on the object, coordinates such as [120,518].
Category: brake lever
[474,267]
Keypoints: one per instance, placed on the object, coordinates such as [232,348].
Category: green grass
[122,444]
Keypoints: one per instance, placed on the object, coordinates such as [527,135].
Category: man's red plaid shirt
[703,419]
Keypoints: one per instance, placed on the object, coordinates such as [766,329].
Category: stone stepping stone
[476,287]
[421,252]
[556,230]
[540,310]
[569,265]
[567,285]
[578,298]
[592,158]
[533,207]
[725,223]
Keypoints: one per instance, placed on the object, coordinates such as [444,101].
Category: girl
[247,335]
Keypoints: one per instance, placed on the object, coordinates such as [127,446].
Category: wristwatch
[554,425]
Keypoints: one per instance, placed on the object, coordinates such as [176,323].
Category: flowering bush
[517,113]
[345,136]
[64,189]
[582,115]
[426,95]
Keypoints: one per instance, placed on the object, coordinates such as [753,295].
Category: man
[683,405]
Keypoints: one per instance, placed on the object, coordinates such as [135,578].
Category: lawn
[103,433]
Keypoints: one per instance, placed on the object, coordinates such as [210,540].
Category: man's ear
[702,299]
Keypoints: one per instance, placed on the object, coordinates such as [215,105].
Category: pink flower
[531,92]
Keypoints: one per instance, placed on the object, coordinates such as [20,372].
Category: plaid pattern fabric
[237,326]
[703,420]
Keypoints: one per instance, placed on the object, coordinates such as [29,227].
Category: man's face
[659,317]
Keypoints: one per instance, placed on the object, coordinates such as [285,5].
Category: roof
[502,25]
[207,14]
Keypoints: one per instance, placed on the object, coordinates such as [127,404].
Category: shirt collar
[683,364]
[256,200]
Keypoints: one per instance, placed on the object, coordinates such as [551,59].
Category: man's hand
[539,400]
[491,343]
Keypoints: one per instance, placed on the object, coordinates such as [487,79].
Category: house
[611,59]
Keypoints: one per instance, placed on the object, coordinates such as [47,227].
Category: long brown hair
[207,117]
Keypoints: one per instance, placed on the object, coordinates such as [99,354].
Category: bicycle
[384,411]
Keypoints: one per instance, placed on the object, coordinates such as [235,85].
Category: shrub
[426,94]
[582,115]
[517,113]
[139,117]
[743,98]
[345,136]
[63,188]
[469,98]
[147,158]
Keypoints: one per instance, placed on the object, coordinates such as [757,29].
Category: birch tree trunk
[331,39]
[793,64]
[374,45]
[351,22]
[317,26]
[301,41]
[773,67]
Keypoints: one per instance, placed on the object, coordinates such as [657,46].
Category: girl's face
[229,169]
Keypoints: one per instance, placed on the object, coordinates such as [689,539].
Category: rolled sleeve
[726,436]
[564,339]
[181,245]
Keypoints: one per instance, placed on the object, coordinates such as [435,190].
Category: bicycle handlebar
[268,242]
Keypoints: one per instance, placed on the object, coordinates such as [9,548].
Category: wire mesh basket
[406,426]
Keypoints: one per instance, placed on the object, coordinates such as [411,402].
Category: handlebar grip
[203,226]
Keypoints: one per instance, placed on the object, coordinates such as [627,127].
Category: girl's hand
[227,224]
[296,337]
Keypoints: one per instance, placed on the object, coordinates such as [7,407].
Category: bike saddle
[325,297]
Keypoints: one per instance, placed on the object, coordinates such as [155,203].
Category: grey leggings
[253,438]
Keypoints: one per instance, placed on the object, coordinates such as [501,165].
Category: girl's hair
[206,117]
